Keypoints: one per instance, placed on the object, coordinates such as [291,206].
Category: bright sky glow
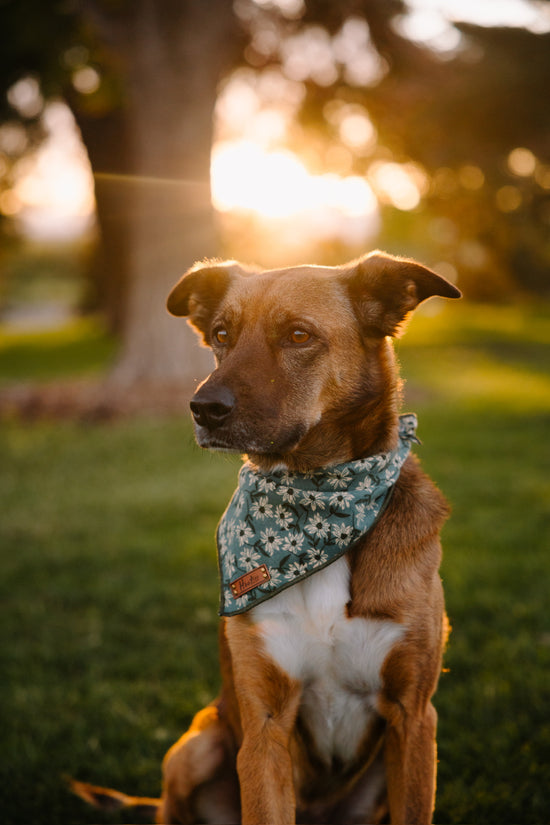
[430,21]
[252,172]
[55,186]
[276,186]
[524,13]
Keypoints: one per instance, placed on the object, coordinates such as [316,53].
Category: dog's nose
[212,406]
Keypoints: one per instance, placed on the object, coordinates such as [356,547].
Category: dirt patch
[92,400]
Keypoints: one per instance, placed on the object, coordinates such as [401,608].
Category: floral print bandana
[282,527]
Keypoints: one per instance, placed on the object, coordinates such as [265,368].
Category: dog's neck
[269,536]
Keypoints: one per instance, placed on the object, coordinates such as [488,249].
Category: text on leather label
[249,581]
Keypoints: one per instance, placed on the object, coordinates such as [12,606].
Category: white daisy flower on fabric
[283,517]
[274,580]
[243,533]
[223,546]
[261,509]
[242,601]
[339,479]
[317,556]
[249,559]
[342,535]
[288,479]
[295,570]
[360,514]
[271,540]
[379,462]
[266,485]
[317,526]
[289,494]
[293,543]
[368,484]
[363,512]
[341,499]
[313,500]
[229,564]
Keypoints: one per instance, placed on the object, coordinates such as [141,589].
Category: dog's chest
[338,660]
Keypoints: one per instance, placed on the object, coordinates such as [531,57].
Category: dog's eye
[299,336]
[221,335]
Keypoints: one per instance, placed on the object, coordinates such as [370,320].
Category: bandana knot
[281,527]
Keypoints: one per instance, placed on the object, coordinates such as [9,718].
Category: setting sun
[275,184]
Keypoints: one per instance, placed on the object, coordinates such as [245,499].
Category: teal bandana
[281,527]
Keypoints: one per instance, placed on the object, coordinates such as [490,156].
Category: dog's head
[304,369]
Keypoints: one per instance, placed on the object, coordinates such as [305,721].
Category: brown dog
[325,713]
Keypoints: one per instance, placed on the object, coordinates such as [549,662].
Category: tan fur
[258,755]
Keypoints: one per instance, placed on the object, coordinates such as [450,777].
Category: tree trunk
[107,146]
[172,54]
[171,226]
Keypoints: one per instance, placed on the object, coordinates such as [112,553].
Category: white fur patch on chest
[338,660]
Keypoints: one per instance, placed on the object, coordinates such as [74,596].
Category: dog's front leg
[410,755]
[268,703]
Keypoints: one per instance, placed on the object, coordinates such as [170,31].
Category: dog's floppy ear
[384,289]
[199,292]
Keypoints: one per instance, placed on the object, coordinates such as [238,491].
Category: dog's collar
[280,527]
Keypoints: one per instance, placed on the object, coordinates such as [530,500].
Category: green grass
[34,272]
[109,589]
[482,382]
[79,348]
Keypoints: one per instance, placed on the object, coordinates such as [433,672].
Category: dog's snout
[212,406]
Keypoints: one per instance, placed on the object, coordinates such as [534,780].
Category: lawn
[109,590]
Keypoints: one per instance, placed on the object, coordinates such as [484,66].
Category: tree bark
[170,227]
[105,141]
[157,217]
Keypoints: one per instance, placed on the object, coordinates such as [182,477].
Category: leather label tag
[249,581]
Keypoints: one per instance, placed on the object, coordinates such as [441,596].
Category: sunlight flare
[275,184]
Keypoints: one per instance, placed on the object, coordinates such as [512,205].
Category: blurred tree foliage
[479,126]
[475,122]
[142,78]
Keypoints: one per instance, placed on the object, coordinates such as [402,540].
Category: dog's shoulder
[401,554]
[417,507]
[416,511]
